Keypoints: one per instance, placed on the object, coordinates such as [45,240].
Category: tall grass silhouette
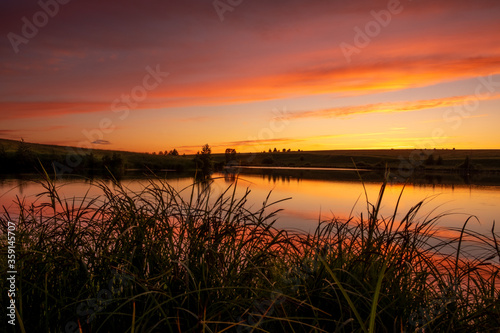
[166,260]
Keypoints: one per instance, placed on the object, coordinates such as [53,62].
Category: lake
[314,195]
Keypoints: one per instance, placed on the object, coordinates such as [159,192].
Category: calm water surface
[310,200]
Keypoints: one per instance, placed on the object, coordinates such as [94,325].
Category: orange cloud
[80,62]
[404,106]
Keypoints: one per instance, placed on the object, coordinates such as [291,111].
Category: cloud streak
[356,81]
[391,107]
[93,52]
[101,142]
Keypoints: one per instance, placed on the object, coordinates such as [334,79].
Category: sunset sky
[251,74]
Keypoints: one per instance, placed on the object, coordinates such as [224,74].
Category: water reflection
[316,195]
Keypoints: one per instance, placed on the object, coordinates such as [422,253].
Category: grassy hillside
[17,156]
[432,159]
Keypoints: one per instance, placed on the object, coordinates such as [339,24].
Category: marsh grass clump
[166,260]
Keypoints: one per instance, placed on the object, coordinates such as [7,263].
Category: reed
[166,260]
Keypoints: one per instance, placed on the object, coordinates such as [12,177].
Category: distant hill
[12,145]
[18,157]
[429,159]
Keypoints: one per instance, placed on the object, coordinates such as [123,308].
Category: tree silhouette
[204,161]
[467,166]
[24,157]
[114,164]
[90,162]
[230,155]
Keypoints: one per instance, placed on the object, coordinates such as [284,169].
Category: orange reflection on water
[311,200]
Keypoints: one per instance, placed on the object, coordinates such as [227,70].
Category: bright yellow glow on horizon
[224,81]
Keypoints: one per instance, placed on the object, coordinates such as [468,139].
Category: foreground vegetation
[164,260]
